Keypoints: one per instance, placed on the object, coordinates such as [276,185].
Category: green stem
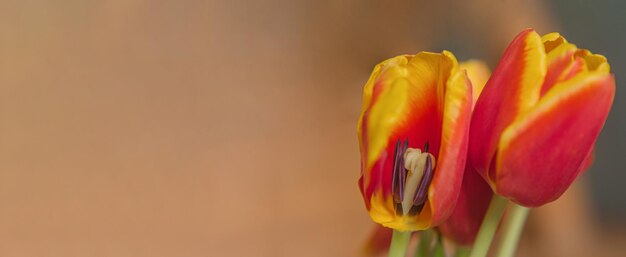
[399,243]
[489,226]
[439,249]
[512,230]
[423,249]
[462,252]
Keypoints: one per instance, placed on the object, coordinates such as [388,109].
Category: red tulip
[413,135]
[535,124]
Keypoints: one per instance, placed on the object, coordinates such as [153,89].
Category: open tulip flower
[536,121]
[413,136]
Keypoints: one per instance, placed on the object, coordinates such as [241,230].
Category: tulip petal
[513,89]
[565,60]
[462,226]
[478,73]
[559,63]
[378,242]
[368,94]
[587,162]
[552,40]
[542,152]
[443,190]
[595,62]
[475,194]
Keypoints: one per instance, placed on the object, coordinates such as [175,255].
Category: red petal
[560,63]
[471,206]
[446,184]
[543,151]
[378,241]
[513,88]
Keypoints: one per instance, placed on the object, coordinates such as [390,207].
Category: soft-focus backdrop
[194,128]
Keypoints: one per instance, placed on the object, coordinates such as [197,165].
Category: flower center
[412,174]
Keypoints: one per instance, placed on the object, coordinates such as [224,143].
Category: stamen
[415,209]
[417,180]
[396,185]
[399,175]
[399,210]
[421,194]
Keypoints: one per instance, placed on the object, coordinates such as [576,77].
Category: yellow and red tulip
[413,135]
[535,123]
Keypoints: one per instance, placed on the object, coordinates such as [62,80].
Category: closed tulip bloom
[535,123]
[413,136]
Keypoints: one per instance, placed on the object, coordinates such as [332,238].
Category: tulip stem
[423,248]
[488,228]
[462,252]
[439,248]
[512,230]
[399,243]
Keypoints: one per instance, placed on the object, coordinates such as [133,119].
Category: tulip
[536,122]
[413,136]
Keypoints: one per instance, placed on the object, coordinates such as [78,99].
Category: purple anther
[399,175]
[421,194]
[397,186]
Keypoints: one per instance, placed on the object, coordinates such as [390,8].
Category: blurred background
[195,128]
